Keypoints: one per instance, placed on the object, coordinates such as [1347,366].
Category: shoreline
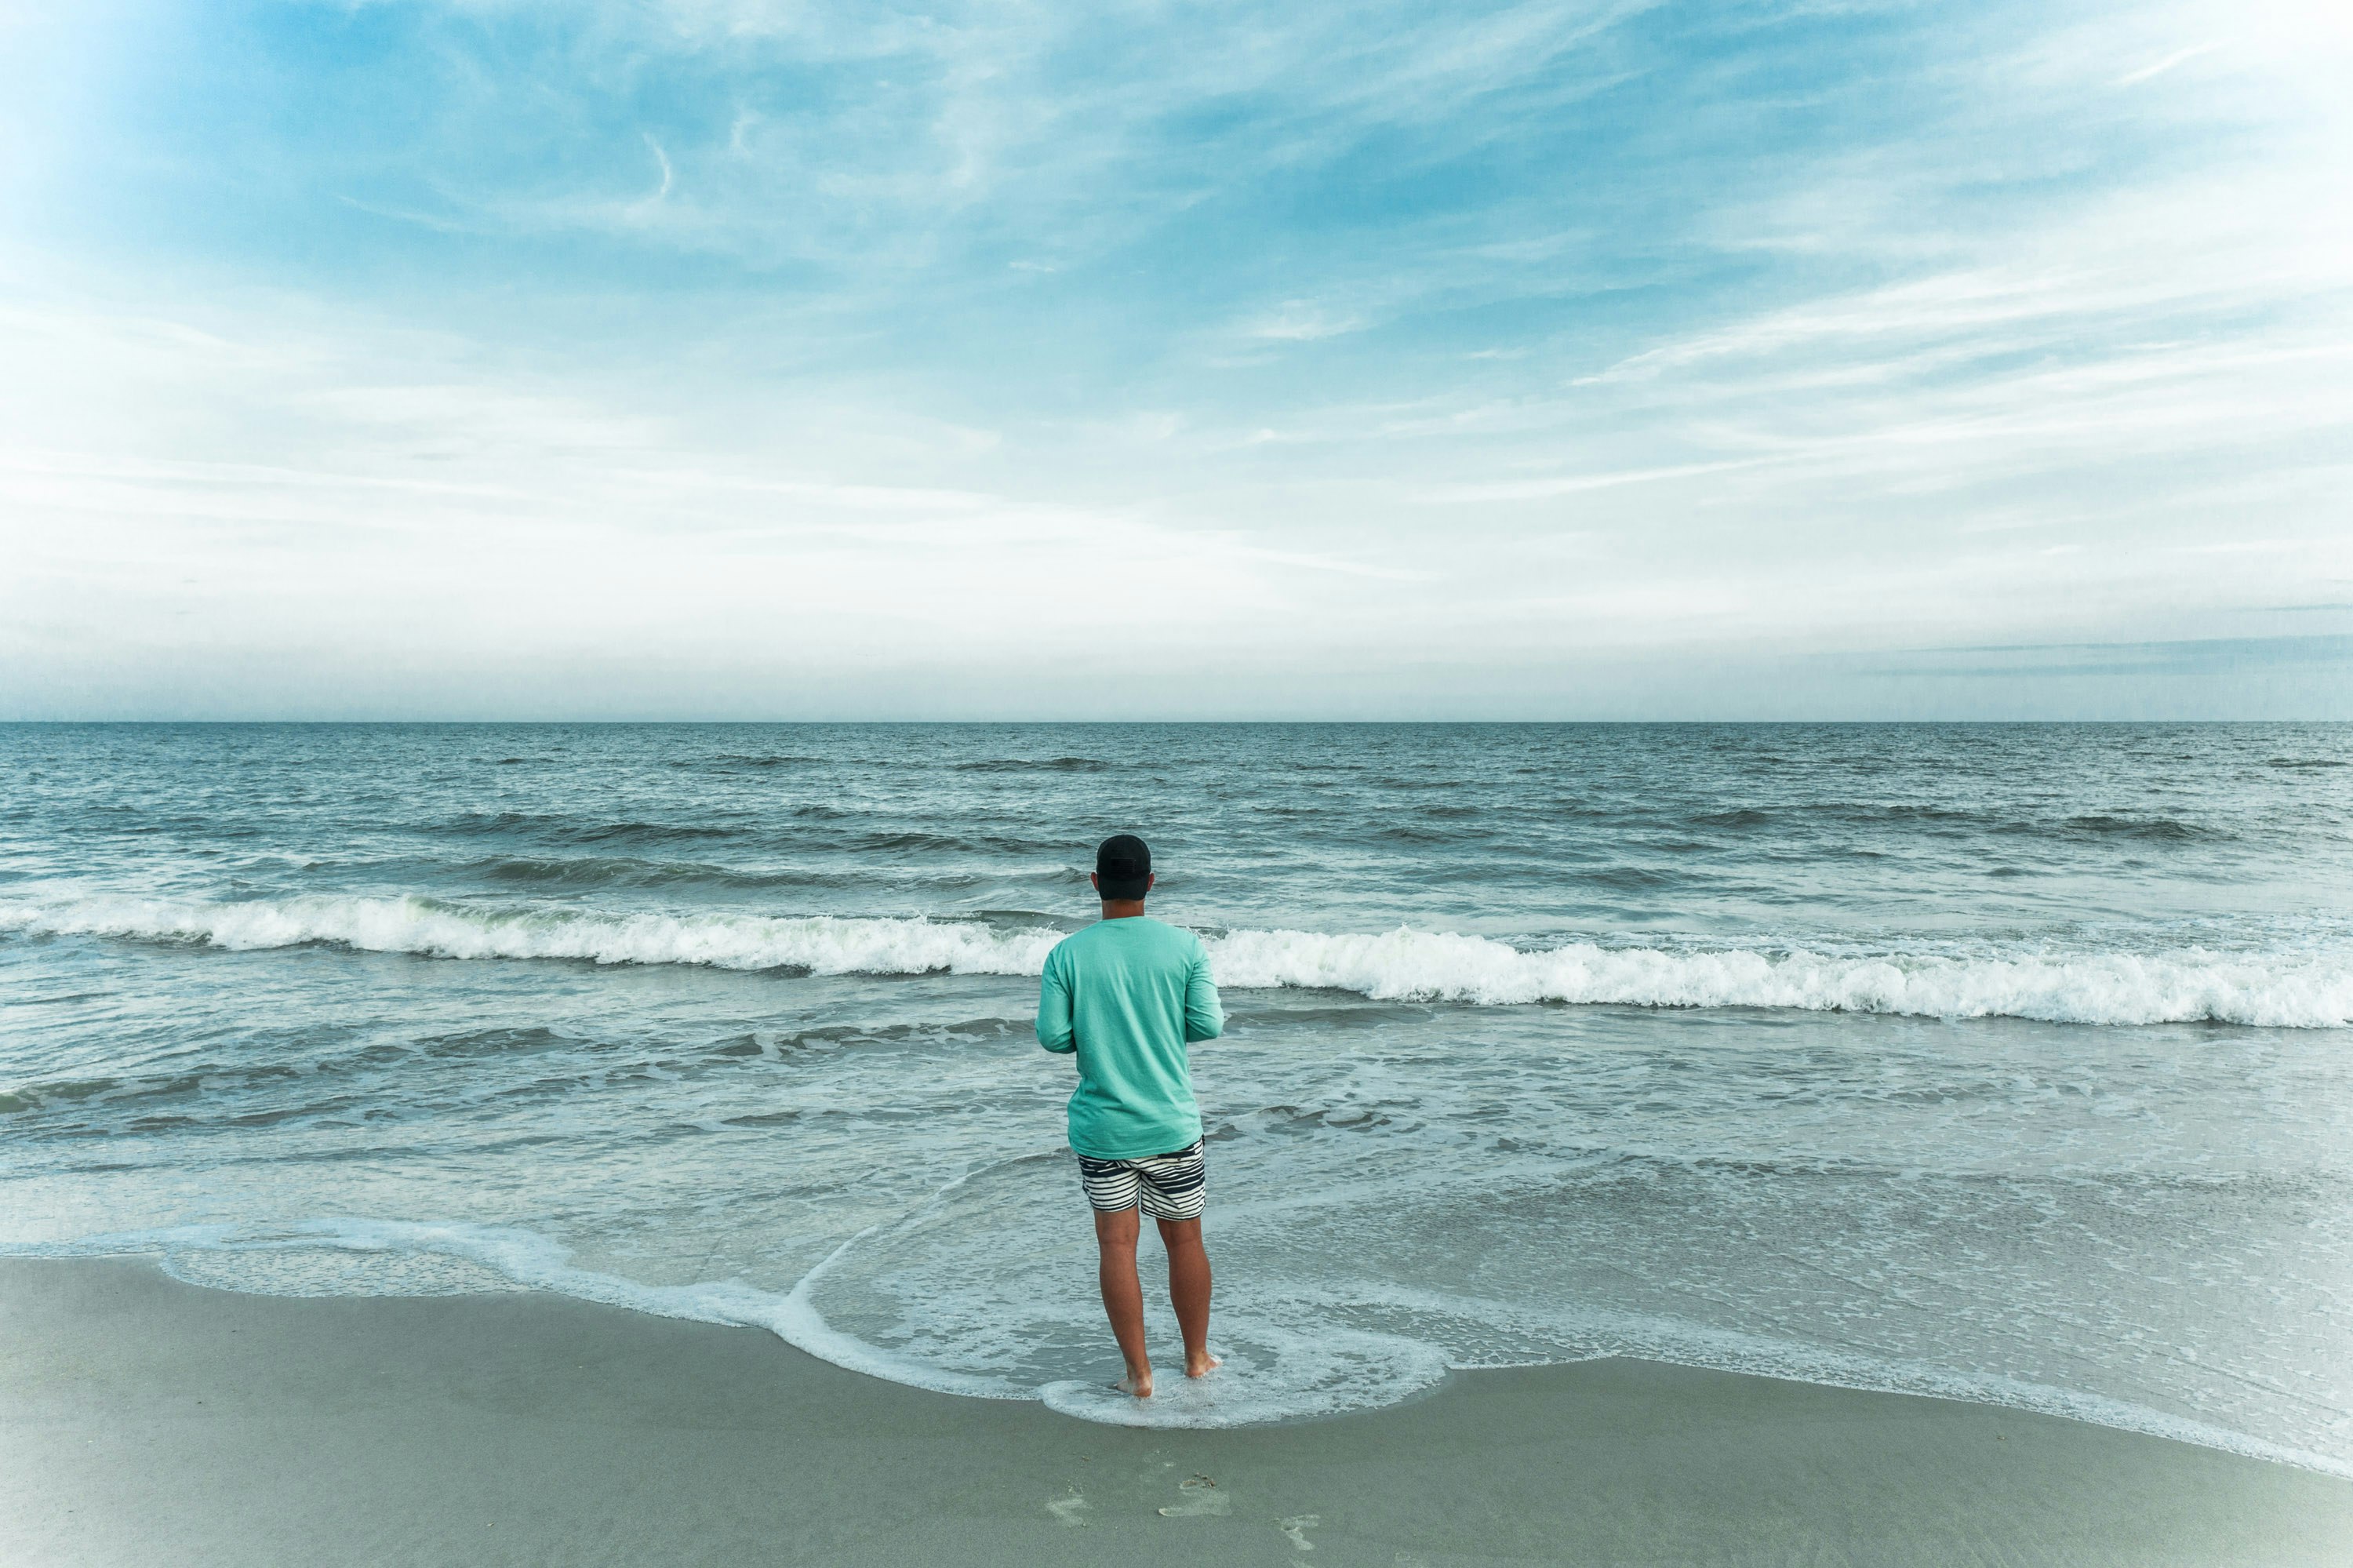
[143,1418]
[810,1334]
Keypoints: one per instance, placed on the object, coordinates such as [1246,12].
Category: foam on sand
[2178,985]
[1236,1396]
[1605,1463]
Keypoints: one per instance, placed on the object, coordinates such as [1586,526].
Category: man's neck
[1122,908]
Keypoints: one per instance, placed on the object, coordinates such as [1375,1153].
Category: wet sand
[145,1421]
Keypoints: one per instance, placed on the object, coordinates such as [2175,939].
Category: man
[1127,994]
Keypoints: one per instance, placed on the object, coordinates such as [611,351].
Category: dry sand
[145,1421]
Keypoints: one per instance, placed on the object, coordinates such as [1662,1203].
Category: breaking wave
[2181,986]
[2178,985]
[436,929]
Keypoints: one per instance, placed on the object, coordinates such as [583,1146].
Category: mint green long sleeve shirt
[1127,996]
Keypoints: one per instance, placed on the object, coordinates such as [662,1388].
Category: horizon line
[1160,722]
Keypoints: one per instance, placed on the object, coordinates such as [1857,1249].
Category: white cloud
[1302,321]
[2036,361]
[2160,67]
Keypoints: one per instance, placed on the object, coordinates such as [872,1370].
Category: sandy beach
[147,1420]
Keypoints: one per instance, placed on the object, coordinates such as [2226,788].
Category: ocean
[2009,1063]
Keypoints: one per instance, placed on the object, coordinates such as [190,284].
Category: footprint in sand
[1068,1509]
[1297,1529]
[1201,1496]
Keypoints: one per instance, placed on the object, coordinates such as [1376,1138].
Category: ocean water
[2009,1063]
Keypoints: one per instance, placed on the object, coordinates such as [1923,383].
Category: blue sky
[725,358]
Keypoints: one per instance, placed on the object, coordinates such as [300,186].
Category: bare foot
[1136,1383]
[1198,1366]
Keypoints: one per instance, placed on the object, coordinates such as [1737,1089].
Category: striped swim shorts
[1169,1186]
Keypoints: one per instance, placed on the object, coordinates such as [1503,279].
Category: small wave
[1027,765]
[2135,827]
[566,829]
[491,1042]
[1947,819]
[598,871]
[949,844]
[1411,834]
[2184,985]
[748,759]
[33,1096]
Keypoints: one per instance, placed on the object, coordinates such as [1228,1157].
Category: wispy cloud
[2200,655]
[669,174]
[1300,321]
[2161,66]
[1573,484]
[1392,338]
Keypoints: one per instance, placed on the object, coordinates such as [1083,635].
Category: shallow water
[2003,1062]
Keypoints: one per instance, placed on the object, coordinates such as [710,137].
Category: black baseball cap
[1122,866]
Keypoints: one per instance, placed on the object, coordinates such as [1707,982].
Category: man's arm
[1204,1019]
[1054,1031]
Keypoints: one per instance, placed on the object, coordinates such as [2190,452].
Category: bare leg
[1188,1290]
[1122,1296]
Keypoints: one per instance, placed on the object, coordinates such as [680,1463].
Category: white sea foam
[1342,1370]
[534,1261]
[2180,985]
[821,943]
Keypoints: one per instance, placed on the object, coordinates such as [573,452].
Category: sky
[747,359]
